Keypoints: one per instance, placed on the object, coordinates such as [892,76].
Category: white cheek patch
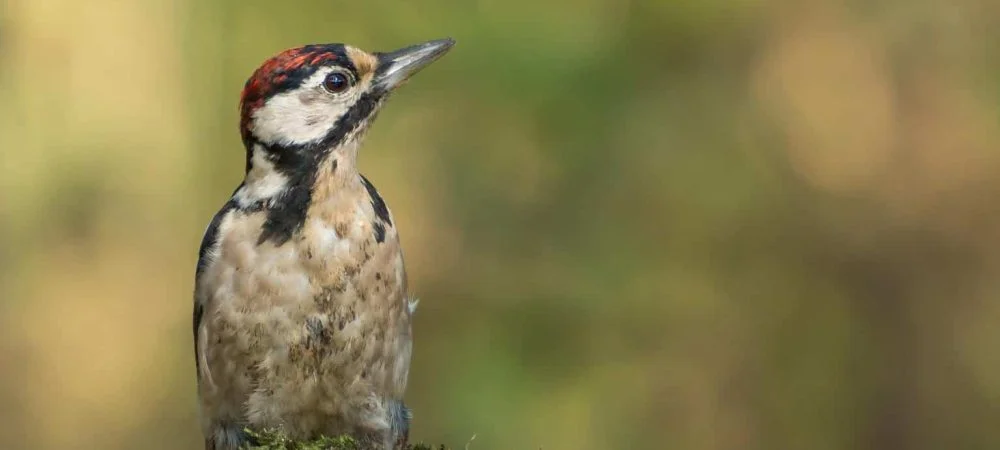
[299,116]
[262,182]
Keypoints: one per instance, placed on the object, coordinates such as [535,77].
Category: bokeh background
[686,224]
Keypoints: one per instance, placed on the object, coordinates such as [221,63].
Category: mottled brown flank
[340,228]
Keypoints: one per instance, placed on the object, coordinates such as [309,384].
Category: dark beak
[397,66]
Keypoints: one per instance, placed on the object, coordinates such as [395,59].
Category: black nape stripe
[287,213]
[300,163]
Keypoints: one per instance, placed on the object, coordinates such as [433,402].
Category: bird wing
[206,255]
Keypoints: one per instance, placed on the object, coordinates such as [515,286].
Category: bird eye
[336,82]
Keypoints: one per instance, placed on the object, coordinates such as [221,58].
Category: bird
[302,315]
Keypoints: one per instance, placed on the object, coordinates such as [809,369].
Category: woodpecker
[301,310]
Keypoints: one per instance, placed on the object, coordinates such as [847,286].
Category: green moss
[276,440]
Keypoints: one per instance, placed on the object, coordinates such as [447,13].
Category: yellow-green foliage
[277,440]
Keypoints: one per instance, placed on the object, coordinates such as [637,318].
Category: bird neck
[273,174]
[337,173]
[286,182]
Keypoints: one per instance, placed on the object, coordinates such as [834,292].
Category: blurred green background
[690,224]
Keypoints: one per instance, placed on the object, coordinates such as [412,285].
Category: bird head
[318,97]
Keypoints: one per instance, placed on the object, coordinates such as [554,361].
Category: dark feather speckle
[381,211]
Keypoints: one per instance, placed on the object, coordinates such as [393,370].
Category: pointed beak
[396,67]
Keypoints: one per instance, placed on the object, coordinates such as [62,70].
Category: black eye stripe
[295,78]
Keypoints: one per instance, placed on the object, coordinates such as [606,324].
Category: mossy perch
[276,440]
